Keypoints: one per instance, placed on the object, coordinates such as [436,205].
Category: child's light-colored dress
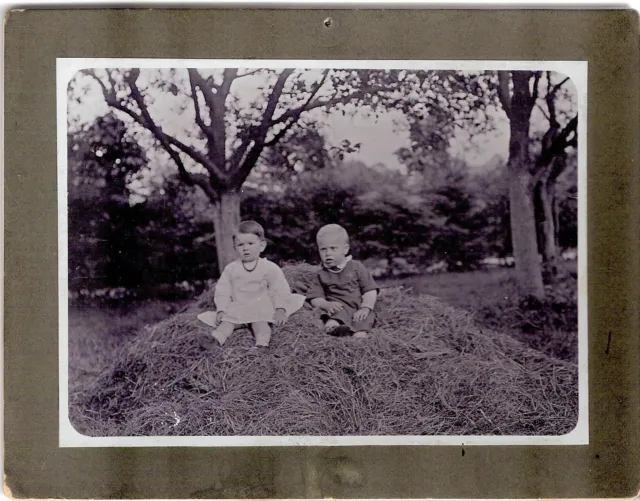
[252,296]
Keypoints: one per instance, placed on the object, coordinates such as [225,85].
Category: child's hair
[250,227]
[334,229]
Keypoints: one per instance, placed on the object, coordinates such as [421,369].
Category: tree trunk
[523,231]
[549,249]
[523,223]
[556,223]
[225,223]
[547,232]
[546,221]
[539,215]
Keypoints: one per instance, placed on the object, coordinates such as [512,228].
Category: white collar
[340,267]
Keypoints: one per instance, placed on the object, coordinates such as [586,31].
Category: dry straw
[426,369]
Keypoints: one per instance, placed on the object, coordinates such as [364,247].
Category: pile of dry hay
[425,370]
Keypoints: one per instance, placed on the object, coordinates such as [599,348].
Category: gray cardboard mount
[36,467]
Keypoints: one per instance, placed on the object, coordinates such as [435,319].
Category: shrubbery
[440,218]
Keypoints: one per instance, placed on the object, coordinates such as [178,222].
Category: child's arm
[369,290]
[368,286]
[279,290]
[330,307]
[319,302]
[222,295]
[367,305]
[369,299]
[316,296]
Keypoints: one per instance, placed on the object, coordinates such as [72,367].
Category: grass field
[96,333]
[492,296]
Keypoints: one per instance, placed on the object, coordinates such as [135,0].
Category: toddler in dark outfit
[343,288]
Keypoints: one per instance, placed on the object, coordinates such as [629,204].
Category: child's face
[333,249]
[249,246]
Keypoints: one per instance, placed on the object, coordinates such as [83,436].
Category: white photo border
[66,68]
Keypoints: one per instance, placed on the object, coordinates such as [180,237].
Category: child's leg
[334,328]
[223,332]
[330,324]
[262,333]
[361,328]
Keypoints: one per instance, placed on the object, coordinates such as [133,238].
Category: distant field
[469,290]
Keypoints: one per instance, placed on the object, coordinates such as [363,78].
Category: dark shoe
[340,331]
[208,343]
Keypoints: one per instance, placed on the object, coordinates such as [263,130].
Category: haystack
[426,369]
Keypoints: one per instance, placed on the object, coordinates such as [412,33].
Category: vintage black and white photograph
[322,252]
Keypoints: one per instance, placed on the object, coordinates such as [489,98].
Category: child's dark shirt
[346,286]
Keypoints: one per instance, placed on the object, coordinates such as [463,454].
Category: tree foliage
[102,160]
[224,136]
[115,243]
[456,218]
[251,141]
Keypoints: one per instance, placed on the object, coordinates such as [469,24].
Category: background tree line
[268,161]
[407,221]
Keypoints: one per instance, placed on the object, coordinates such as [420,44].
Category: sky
[379,137]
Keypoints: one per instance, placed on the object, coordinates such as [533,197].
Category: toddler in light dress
[252,291]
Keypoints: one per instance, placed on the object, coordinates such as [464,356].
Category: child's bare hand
[280,317]
[219,317]
[334,307]
[361,314]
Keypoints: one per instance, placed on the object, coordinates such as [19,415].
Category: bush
[550,325]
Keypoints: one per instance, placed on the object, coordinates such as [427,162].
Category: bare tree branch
[274,97]
[92,74]
[111,80]
[558,165]
[503,92]
[318,103]
[216,104]
[281,133]
[196,104]
[294,119]
[559,144]
[239,152]
[248,73]
[551,105]
[204,182]
[228,76]
[167,141]
[550,100]
[242,170]
[255,133]
[557,87]
[219,100]
[543,111]
[205,87]
[536,85]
